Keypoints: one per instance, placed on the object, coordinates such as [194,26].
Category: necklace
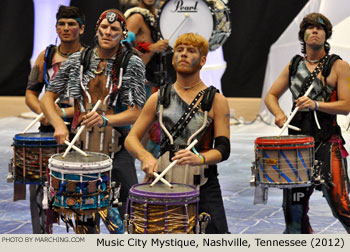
[313,61]
[99,72]
[187,88]
[65,55]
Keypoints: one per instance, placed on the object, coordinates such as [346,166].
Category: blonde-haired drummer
[190,52]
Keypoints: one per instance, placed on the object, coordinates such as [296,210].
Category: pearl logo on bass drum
[180,7]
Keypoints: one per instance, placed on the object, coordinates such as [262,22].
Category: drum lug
[128,227]
[10,173]
[197,227]
[45,197]
[115,192]
[253,178]
[204,219]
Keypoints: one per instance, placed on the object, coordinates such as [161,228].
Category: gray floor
[243,216]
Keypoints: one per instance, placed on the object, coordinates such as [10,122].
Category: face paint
[307,35]
[195,62]
[116,36]
[100,32]
[75,31]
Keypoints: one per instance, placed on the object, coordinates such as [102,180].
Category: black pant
[211,202]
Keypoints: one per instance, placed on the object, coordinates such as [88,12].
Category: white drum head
[75,163]
[184,16]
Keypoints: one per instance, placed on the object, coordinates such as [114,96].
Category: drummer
[69,28]
[155,53]
[190,52]
[121,103]
[329,97]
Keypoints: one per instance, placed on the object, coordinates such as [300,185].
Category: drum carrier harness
[49,53]
[167,146]
[102,139]
[305,119]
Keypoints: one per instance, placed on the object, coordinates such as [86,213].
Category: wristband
[316,105]
[63,113]
[143,47]
[105,121]
[202,157]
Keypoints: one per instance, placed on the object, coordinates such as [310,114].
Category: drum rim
[192,200]
[77,171]
[159,195]
[79,167]
[298,139]
[29,136]
[284,185]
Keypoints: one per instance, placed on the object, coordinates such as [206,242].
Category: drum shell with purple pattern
[160,209]
[31,154]
[80,184]
[285,161]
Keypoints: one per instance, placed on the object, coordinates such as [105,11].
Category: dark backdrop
[16,43]
[92,10]
[256,24]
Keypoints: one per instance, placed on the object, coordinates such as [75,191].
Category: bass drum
[208,18]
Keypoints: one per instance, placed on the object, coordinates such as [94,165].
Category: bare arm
[48,107]
[137,25]
[221,126]
[133,140]
[124,118]
[32,101]
[133,23]
[275,92]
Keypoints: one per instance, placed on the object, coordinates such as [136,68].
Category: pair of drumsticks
[70,144]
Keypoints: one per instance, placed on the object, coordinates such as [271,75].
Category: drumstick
[294,128]
[163,180]
[294,112]
[183,20]
[36,119]
[80,130]
[76,148]
[172,164]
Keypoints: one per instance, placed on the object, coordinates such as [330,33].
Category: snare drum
[284,162]
[160,209]
[80,184]
[208,18]
[31,154]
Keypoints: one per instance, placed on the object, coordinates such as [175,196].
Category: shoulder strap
[294,65]
[208,98]
[49,53]
[328,66]
[126,57]
[164,95]
[85,57]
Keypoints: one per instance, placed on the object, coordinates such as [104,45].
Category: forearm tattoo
[34,74]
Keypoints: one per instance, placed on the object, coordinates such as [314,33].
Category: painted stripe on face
[195,62]
[114,37]
[75,31]
[307,35]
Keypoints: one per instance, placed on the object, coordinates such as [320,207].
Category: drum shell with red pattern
[285,161]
